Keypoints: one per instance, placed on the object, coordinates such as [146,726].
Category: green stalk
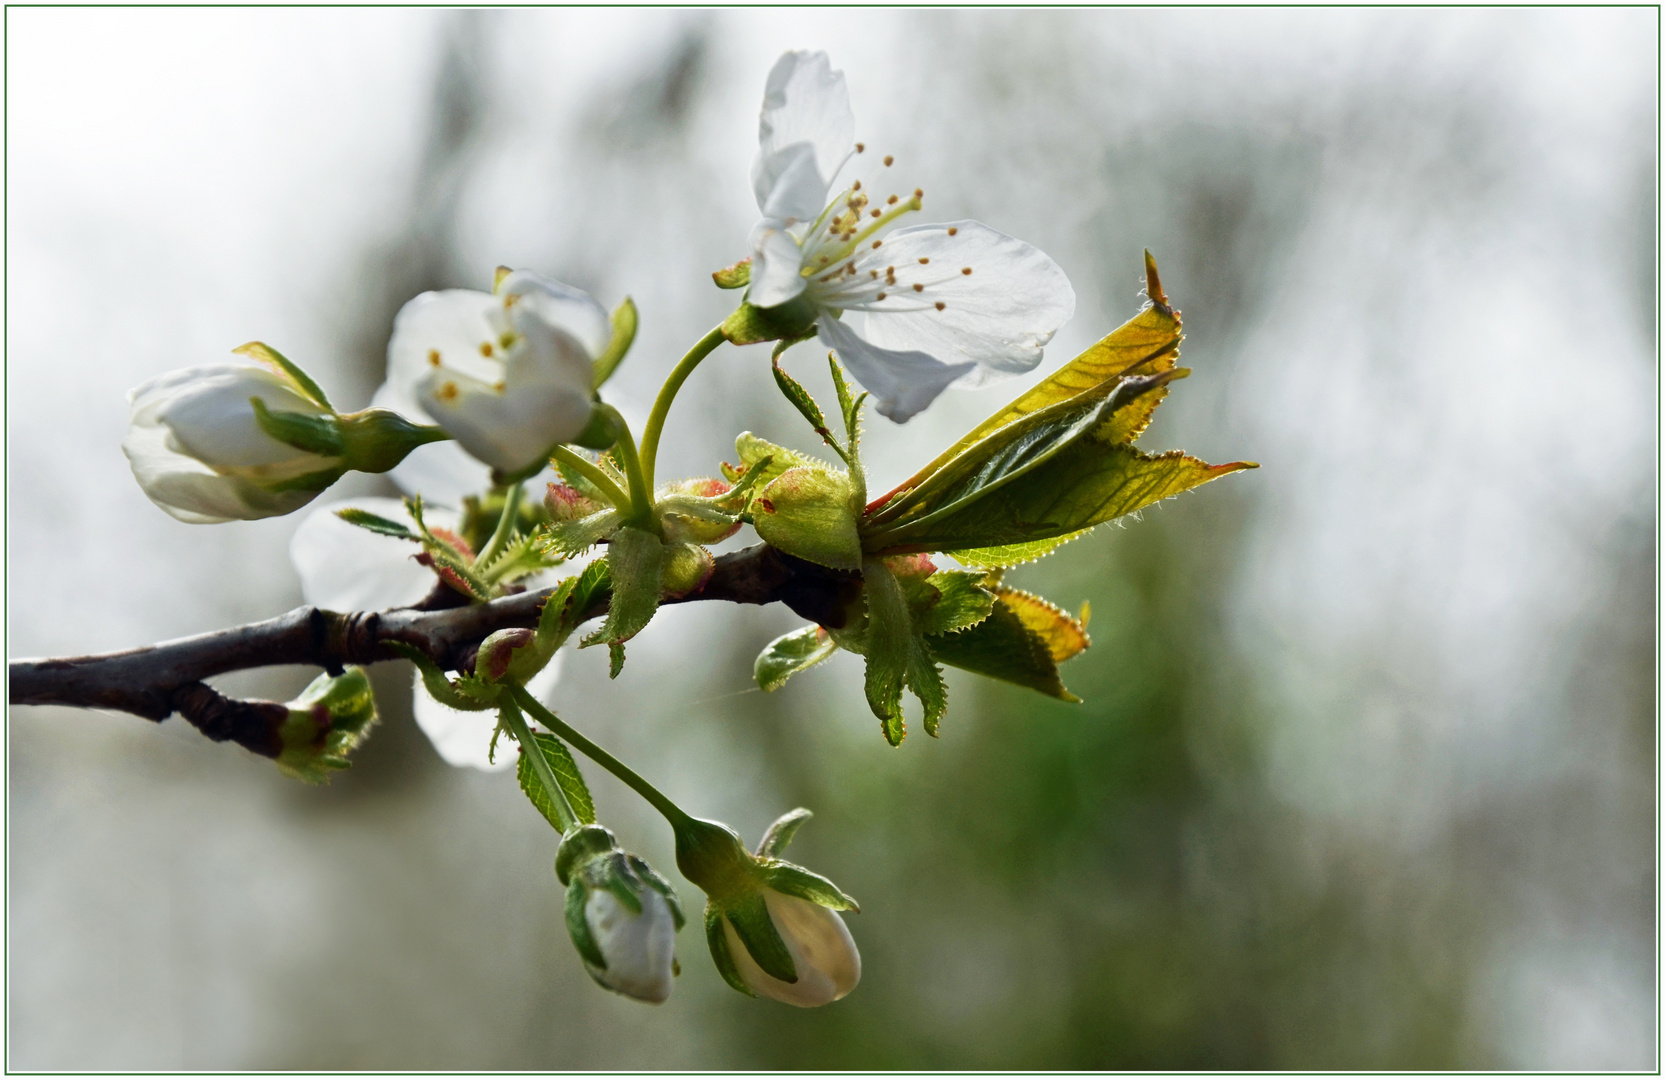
[673,813]
[641,489]
[505,525]
[588,469]
[540,764]
[667,394]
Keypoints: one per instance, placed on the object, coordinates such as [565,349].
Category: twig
[158,680]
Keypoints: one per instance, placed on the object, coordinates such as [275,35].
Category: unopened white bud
[640,947]
[823,952]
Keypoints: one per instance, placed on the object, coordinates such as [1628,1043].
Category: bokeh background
[1365,775]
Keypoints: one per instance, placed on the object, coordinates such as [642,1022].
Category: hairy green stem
[667,394]
[540,764]
[588,469]
[505,525]
[673,813]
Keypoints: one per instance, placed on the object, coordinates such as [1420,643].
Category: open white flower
[823,952]
[956,304]
[507,374]
[346,568]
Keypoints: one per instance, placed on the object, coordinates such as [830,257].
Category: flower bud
[330,718]
[771,925]
[623,917]
[202,450]
[514,654]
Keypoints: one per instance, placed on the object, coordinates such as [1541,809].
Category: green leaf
[263,353]
[1086,484]
[847,404]
[890,643]
[1002,647]
[569,538]
[633,560]
[592,586]
[780,833]
[1065,636]
[364,519]
[1004,555]
[793,880]
[1146,344]
[566,775]
[720,957]
[799,397]
[750,918]
[519,557]
[625,321]
[737,276]
[924,678]
[791,653]
[809,512]
[962,601]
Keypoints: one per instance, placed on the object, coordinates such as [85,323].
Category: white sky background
[1425,306]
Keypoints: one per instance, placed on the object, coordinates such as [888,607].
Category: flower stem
[641,485]
[540,764]
[667,394]
[505,525]
[586,468]
[673,813]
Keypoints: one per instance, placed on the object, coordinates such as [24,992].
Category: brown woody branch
[158,680]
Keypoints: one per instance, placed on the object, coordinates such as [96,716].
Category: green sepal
[578,927]
[1002,647]
[364,519]
[313,481]
[794,880]
[803,402]
[764,461]
[263,353]
[615,658]
[811,512]
[737,276]
[580,846]
[749,324]
[656,881]
[588,588]
[634,558]
[581,483]
[440,688]
[718,941]
[625,321]
[924,678]
[847,403]
[519,557]
[749,916]
[311,432]
[780,833]
[570,538]
[600,431]
[375,440]
[566,775]
[791,653]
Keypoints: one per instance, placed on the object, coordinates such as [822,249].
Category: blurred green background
[1365,773]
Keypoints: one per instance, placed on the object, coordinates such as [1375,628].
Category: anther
[873,273]
[860,147]
[919,193]
[485,348]
[881,296]
[917,287]
[923,260]
[941,305]
[889,159]
[965,269]
[876,244]
[500,387]
[448,392]
[891,201]
[875,213]
[857,185]
[433,357]
[951,232]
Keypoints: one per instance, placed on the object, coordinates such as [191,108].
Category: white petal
[208,411]
[453,324]
[789,184]
[776,262]
[508,429]
[805,101]
[464,738]
[639,947]
[563,307]
[823,953]
[346,568]
[904,382]
[998,316]
[192,492]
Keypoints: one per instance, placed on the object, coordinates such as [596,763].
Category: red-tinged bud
[566,503]
[911,566]
[504,652]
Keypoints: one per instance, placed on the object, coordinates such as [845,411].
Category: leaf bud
[622,915]
[325,723]
[514,655]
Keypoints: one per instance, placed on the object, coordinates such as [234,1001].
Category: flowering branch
[158,680]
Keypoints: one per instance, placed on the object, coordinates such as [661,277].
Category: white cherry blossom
[955,304]
[507,374]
